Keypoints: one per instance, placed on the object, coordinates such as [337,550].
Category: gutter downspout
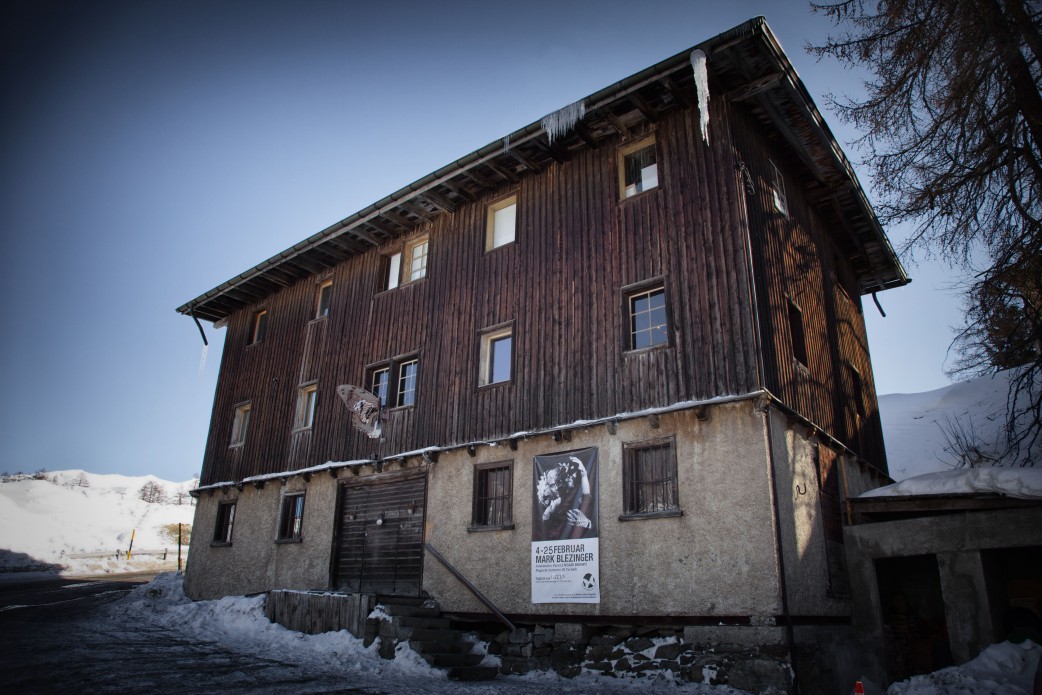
[779,551]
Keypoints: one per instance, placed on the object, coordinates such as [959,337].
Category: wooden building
[683,298]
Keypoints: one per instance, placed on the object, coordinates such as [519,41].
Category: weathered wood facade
[730,263]
[761,242]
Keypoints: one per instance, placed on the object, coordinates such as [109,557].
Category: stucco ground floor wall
[708,575]
[963,554]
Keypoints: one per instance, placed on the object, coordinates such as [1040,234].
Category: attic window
[502,223]
[638,167]
[325,289]
[260,326]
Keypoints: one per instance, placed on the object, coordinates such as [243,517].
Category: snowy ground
[239,624]
[45,523]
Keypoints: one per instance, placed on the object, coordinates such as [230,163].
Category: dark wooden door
[380,546]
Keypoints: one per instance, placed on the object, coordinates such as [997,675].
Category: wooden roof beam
[460,191]
[649,111]
[526,161]
[508,175]
[678,94]
[438,201]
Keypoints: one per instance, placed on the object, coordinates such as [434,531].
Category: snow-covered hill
[919,428]
[48,522]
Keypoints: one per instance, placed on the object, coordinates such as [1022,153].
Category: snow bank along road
[65,636]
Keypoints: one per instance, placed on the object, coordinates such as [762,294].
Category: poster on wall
[565,535]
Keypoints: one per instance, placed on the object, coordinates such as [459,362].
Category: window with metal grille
[222,530]
[649,479]
[493,495]
[291,518]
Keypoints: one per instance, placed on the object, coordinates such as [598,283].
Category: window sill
[280,541]
[633,352]
[236,445]
[482,529]
[221,544]
[509,244]
[669,513]
[482,387]
[298,430]
[642,194]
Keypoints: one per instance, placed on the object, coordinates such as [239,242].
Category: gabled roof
[746,64]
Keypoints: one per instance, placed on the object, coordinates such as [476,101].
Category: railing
[473,589]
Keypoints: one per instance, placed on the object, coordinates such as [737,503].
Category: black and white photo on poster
[565,532]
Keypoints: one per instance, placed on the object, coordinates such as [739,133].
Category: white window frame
[240,424]
[414,266]
[393,269]
[260,326]
[323,298]
[374,388]
[652,182]
[632,295]
[501,226]
[400,391]
[224,524]
[307,397]
[487,355]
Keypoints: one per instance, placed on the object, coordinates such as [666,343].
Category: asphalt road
[61,635]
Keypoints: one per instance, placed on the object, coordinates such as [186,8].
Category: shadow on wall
[11,561]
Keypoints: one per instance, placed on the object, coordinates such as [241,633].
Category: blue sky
[152,150]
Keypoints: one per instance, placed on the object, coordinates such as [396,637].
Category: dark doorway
[1014,580]
[380,541]
[914,626]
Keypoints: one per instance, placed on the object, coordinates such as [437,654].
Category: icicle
[506,144]
[698,64]
[202,358]
[561,121]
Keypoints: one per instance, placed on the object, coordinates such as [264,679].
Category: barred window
[649,478]
[222,530]
[493,495]
[291,518]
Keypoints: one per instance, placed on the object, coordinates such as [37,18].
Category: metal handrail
[473,589]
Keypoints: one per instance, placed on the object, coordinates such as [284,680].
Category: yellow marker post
[131,543]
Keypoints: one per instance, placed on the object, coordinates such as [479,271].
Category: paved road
[65,636]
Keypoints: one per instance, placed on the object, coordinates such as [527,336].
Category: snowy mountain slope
[915,424]
[43,522]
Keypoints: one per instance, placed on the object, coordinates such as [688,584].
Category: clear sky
[152,150]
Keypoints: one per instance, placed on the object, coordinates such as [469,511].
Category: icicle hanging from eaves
[698,65]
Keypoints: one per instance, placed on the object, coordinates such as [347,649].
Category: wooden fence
[313,612]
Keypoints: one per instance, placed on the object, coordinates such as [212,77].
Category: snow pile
[1022,483]
[238,624]
[921,428]
[43,522]
[1001,668]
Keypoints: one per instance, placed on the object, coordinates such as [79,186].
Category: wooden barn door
[380,543]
